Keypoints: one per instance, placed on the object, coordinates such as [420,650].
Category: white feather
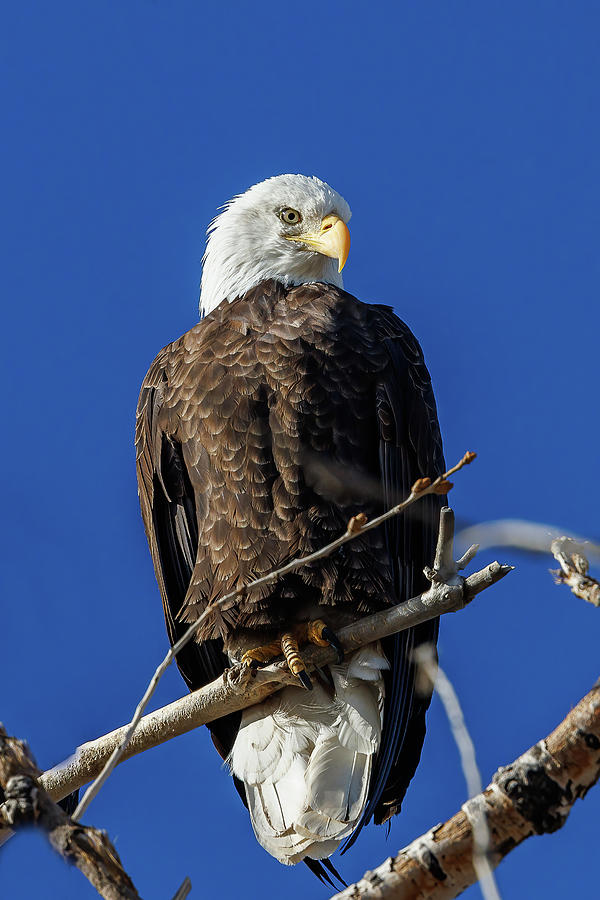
[306,759]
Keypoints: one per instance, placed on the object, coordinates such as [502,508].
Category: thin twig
[357,525]
[476,815]
[447,568]
[184,890]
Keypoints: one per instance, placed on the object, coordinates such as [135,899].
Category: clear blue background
[465,137]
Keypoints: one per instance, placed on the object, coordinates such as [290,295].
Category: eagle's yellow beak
[332,240]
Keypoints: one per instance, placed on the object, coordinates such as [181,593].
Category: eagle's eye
[290,216]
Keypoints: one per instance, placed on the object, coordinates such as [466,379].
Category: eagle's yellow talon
[289,648]
[314,633]
[261,655]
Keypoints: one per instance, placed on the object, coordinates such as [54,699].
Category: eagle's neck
[230,272]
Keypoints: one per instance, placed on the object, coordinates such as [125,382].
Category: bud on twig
[420,485]
[356,523]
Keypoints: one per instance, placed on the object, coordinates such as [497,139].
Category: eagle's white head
[291,228]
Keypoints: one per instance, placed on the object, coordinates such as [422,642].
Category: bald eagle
[289,408]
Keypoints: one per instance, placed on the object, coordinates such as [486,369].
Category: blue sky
[465,138]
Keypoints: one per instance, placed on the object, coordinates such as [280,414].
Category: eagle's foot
[286,645]
[315,632]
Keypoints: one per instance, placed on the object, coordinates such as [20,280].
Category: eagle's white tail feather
[337,780]
[306,758]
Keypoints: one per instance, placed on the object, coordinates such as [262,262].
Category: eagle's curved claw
[253,663]
[305,679]
[333,641]
[317,632]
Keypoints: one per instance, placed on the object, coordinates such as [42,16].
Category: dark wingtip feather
[330,866]
[321,867]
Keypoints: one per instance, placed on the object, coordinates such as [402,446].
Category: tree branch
[27,803]
[240,687]
[430,674]
[521,534]
[424,655]
[184,890]
[533,795]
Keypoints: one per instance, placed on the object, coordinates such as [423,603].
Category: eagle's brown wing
[410,446]
[169,513]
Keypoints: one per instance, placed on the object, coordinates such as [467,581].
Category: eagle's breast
[272,399]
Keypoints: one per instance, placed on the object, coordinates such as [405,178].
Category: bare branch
[357,525]
[533,795]
[430,673]
[570,555]
[424,655]
[27,803]
[533,537]
[240,687]
[184,890]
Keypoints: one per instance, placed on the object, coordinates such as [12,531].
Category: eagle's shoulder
[389,325]
[401,343]
[376,326]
